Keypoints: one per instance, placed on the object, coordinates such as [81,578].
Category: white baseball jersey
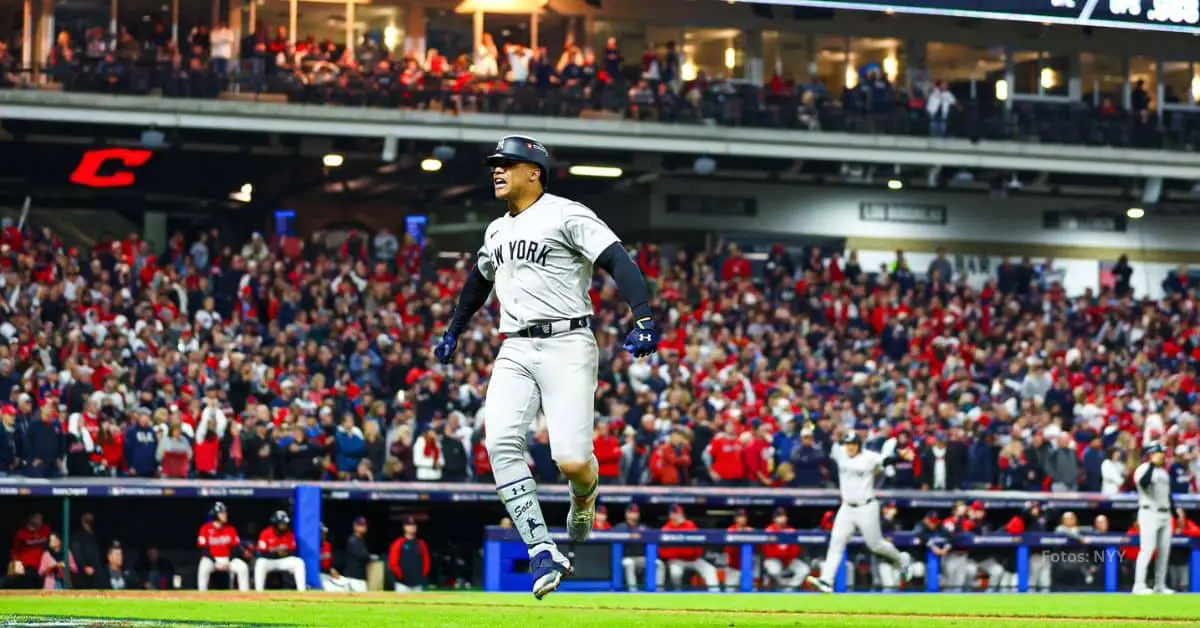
[1159,494]
[856,476]
[541,261]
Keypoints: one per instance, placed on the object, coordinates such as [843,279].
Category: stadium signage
[110,167]
[141,112]
[1157,15]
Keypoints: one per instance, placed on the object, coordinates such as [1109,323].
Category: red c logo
[87,173]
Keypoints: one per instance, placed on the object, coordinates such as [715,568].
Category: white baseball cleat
[819,584]
[1141,591]
[1164,591]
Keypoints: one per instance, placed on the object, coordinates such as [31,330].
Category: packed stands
[575,82]
[283,358]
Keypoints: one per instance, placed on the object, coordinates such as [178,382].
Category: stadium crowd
[514,78]
[290,358]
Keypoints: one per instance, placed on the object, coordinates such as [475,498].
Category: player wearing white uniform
[857,469]
[539,258]
[1155,505]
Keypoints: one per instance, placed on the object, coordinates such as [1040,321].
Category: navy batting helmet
[1154,448]
[280,518]
[852,438]
[217,509]
[522,149]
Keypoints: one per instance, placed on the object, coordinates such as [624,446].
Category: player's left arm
[587,234]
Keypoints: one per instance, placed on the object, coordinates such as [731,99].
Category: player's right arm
[474,293]
[1145,476]
[202,542]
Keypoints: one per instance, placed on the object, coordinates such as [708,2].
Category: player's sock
[583,494]
[518,491]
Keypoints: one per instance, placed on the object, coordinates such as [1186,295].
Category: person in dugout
[958,572]
[998,564]
[276,551]
[601,522]
[781,561]
[218,543]
[681,559]
[634,560]
[352,576]
[931,534]
[408,559]
[1033,519]
[29,543]
[733,553]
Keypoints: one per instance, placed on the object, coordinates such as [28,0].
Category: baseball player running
[857,470]
[539,258]
[217,542]
[1155,505]
[277,552]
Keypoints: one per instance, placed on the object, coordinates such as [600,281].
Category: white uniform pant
[556,374]
[999,579]
[708,573]
[403,588]
[1154,534]
[634,565]
[291,564]
[774,568]
[865,519]
[733,575]
[958,572]
[888,574]
[342,584]
[239,572]
[1039,572]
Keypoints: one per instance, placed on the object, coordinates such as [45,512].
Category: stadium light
[895,184]
[605,172]
[333,160]
[431,165]
[1135,212]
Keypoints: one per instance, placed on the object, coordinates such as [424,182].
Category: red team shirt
[326,556]
[218,540]
[271,542]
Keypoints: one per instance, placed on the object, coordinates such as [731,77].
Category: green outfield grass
[609,610]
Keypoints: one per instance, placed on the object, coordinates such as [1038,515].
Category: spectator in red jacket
[733,553]
[759,456]
[608,453]
[671,460]
[726,462]
[29,543]
[681,559]
[408,559]
[735,266]
[781,561]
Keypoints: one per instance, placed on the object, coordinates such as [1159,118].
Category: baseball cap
[8,409]
[633,508]
[360,521]
[741,512]
[977,505]
[409,521]
[677,509]
[600,509]
[781,512]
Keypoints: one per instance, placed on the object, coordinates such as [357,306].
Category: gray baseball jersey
[1159,494]
[541,261]
[856,476]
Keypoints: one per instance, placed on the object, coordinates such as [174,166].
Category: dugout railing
[306,501]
